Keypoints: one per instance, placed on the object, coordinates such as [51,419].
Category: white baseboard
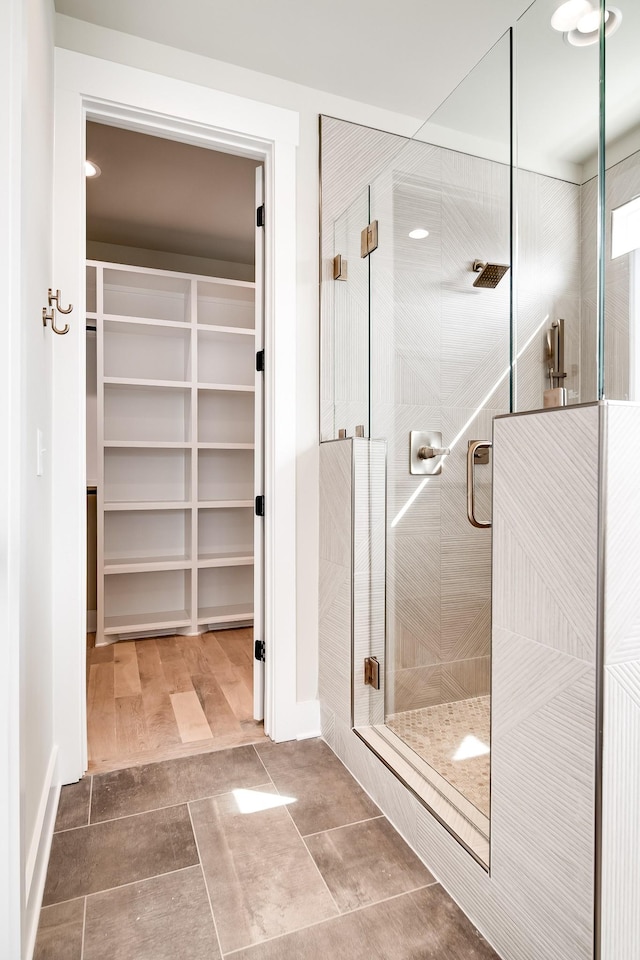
[35,872]
[308,719]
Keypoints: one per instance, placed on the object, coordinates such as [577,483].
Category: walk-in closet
[174,448]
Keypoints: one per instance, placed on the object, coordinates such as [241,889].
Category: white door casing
[89,88]
[258,534]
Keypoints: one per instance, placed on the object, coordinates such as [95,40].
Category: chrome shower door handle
[474,446]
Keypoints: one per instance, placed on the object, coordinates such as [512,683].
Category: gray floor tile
[426,925]
[106,855]
[153,785]
[366,862]
[167,918]
[73,806]
[261,878]
[326,794]
[60,932]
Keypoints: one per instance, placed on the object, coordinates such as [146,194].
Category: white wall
[10,116]
[133,51]
[27,767]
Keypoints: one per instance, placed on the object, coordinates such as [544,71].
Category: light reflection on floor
[454,739]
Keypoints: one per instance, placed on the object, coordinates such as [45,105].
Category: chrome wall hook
[54,304]
[59,330]
[56,297]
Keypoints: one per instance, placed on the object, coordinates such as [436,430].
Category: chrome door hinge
[372,672]
[258,650]
[369,239]
[260,216]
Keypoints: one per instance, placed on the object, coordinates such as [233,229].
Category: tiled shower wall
[439,361]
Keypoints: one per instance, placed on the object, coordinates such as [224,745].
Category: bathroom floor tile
[261,878]
[60,932]
[154,785]
[106,855]
[366,862]
[425,925]
[166,918]
[73,806]
[326,794]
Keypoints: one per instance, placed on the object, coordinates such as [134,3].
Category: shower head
[490,273]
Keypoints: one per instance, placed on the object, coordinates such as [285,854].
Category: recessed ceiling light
[91,169]
[583,37]
[419,233]
[568,15]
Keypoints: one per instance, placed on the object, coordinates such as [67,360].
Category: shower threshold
[461,817]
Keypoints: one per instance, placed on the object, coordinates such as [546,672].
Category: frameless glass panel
[621,373]
[555,189]
[351,320]
[440,372]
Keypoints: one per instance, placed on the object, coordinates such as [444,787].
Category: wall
[28,769]
[123,48]
[11,33]
[537,902]
[439,355]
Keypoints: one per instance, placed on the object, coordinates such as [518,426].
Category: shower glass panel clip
[426,453]
[369,239]
[372,672]
[339,267]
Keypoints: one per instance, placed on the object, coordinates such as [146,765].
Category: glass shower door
[440,373]
[350,321]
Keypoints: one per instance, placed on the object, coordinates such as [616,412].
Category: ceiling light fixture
[419,233]
[569,14]
[579,22]
[91,169]
[587,30]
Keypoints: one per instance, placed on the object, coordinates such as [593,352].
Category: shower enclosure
[509,173]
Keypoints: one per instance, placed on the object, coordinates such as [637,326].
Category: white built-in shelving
[178,450]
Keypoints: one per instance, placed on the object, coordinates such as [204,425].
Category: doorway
[174,448]
[91,89]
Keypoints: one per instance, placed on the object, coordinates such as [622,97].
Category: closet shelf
[176,396]
[148,505]
[226,559]
[225,332]
[226,446]
[227,387]
[225,614]
[131,382]
[223,504]
[146,564]
[149,444]
[139,623]
[146,322]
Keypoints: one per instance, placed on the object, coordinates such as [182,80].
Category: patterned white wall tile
[621,823]
[546,493]
[335,578]
[622,596]
[369,574]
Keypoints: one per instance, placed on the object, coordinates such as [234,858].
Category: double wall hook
[54,298]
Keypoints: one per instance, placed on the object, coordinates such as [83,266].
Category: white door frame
[87,87]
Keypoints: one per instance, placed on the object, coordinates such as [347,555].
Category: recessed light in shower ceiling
[579,22]
[419,233]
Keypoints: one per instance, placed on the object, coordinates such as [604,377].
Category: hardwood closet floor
[167,697]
